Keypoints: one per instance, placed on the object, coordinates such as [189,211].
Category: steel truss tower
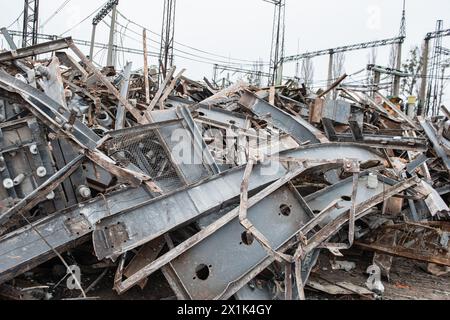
[30,22]
[110,6]
[277,49]
[435,83]
[167,36]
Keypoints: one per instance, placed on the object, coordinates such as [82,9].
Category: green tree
[413,67]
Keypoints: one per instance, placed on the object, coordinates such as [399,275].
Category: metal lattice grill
[142,148]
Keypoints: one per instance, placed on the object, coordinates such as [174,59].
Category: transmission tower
[112,52]
[167,36]
[403,23]
[277,49]
[109,6]
[425,84]
[30,22]
[434,83]
[398,48]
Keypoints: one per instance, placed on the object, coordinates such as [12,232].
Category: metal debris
[230,192]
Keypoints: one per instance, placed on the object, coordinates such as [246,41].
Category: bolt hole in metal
[247,238]
[202,272]
[346,198]
[285,210]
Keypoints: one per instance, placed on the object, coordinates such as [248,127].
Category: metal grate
[143,149]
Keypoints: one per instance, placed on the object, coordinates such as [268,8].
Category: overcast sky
[241,29]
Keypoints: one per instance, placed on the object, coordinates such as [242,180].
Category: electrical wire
[82,21]
[187,46]
[204,59]
[61,7]
[60,257]
[17,20]
[199,58]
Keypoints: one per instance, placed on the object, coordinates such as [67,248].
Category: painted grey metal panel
[330,151]
[144,226]
[224,257]
[301,130]
[24,249]
[207,269]
[44,106]
[177,136]
[167,213]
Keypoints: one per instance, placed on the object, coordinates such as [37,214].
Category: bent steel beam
[142,226]
[148,270]
[206,271]
[173,254]
[301,130]
[210,113]
[50,111]
[23,249]
[35,50]
[388,142]
[432,135]
[43,190]
[166,213]
[61,120]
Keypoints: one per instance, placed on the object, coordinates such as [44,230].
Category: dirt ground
[409,279]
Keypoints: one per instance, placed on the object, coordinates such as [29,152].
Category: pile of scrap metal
[231,193]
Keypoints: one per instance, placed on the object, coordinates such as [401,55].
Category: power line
[353,47]
[17,20]
[206,59]
[153,47]
[187,46]
[86,43]
[212,61]
[138,51]
[82,21]
[62,6]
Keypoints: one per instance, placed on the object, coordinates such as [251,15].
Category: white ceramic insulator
[41,172]
[8,184]
[19,179]
[84,192]
[34,149]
